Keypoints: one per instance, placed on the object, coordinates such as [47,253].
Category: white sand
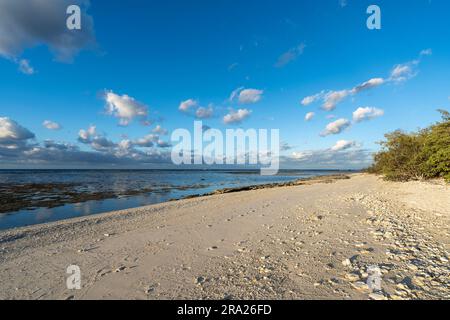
[280,243]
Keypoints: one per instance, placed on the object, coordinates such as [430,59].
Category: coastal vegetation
[424,154]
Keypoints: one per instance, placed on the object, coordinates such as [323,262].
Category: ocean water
[114,190]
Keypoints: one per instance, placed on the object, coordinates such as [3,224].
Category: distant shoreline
[298,182]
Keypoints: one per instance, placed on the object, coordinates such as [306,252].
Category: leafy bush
[418,155]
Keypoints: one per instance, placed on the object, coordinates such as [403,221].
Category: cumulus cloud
[342,155]
[54,153]
[14,139]
[332,98]
[342,145]
[85,135]
[51,125]
[25,67]
[335,127]
[405,71]
[235,93]
[12,134]
[160,130]
[402,72]
[147,141]
[50,144]
[204,113]
[125,108]
[309,116]
[300,155]
[367,113]
[192,107]
[95,140]
[345,158]
[126,148]
[249,96]
[311,99]
[150,140]
[372,83]
[187,105]
[290,55]
[29,23]
[399,73]
[236,116]
[17,147]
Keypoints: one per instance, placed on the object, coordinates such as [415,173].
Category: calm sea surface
[121,189]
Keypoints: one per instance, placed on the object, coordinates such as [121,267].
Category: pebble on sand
[377,296]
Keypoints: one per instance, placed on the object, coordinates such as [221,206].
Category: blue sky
[163,53]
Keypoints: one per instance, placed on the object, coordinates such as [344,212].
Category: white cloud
[29,23]
[347,158]
[160,130]
[309,116]
[235,93]
[51,125]
[249,96]
[125,108]
[402,72]
[336,127]
[85,135]
[366,113]
[342,145]
[25,67]
[311,99]
[16,149]
[125,144]
[147,141]
[12,134]
[408,70]
[299,155]
[125,147]
[332,98]
[372,83]
[290,55]
[151,140]
[192,107]
[185,106]
[204,113]
[399,73]
[95,140]
[50,144]
[236,116]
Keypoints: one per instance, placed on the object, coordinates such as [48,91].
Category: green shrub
[418,155]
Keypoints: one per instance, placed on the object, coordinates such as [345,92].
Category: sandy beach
[316,240]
